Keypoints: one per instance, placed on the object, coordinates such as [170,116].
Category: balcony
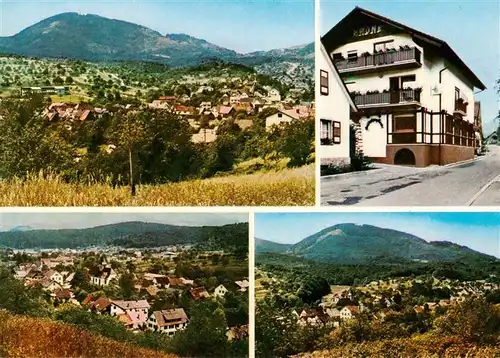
[387,98]
[461,107]
[405,57]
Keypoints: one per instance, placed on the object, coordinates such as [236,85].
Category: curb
[482,190]
[347,175]
[478,159]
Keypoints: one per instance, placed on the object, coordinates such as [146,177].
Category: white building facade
[333,108]
[415,96]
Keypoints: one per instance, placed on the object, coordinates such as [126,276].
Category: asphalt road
[471,183]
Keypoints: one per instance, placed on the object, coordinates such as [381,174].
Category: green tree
[205,334]
[129,131]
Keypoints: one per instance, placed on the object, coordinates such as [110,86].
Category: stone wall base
[426,154]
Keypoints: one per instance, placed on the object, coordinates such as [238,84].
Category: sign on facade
[367,30]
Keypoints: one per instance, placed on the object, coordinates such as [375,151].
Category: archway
[404,157]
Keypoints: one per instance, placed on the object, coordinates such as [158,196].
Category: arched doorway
[404,157]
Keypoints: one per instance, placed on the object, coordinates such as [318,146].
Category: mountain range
[130,234]
[96,38]
[359,244]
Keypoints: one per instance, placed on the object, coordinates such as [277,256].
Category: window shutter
[324,82]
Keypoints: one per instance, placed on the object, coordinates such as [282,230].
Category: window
[280,115]
[382,46]
[330,132]
[457,93]
[352,55]
[326,129]
[337,56]
[405,123]
[410,78]
[323,82]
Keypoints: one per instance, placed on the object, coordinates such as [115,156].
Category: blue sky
[242,26]
[471,28]
[479,231]
[85,220]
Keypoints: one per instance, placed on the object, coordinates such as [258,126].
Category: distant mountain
[128,234]
[360,244]
[96,38]
[21,228]
[270,246]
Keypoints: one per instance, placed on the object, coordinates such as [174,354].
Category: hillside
[426,346]
[357,244]
[129,234]
[262,245]
[35,337]
[95,38]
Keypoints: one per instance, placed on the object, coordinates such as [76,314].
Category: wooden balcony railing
[379,59]
[390,97]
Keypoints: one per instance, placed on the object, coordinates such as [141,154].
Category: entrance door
[394,89]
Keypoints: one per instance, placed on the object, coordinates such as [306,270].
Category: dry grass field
[289,187]
[425,346]
[29,337]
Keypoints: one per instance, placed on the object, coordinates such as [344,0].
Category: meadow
[36,337]
[425,346]
[288,187]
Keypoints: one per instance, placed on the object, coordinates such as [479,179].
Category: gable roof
[131,305]
[332,38]
[170,317]
[336,74]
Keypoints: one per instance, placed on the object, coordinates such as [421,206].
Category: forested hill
[131,234]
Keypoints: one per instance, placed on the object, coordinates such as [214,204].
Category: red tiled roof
[225,109]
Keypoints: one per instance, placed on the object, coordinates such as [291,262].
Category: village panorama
[151,119]
[125,289]
[363,286]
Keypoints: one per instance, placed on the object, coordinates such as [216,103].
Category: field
[31,337]
[426,346]
[289,187]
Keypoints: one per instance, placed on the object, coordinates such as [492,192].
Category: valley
[202,117]
[350,289]
[138,288]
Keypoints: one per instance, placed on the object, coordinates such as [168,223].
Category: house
[133,314]
[284,116]
[101,305]
[102,275]
[55,276]
[243,285]
[168,321]
[413,92]
[313,317]
[119,307]
[348,312]
[199,293]
[133,320]
[206,106]
[220,291]
[334,109]
[273,95]
[333,313]
[226,111]
[62,295]
[185,110]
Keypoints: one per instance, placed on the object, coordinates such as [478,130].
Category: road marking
[482,190]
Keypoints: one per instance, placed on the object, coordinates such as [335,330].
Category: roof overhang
[341,34]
